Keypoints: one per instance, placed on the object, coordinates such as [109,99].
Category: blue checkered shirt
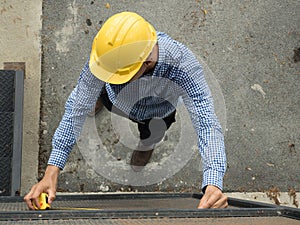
[177,74]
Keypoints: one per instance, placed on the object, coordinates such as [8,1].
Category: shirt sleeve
[81,101]
[198,100]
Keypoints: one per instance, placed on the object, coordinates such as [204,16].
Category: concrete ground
[251,67]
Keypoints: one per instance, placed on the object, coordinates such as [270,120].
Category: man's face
[148,65]
[139,73]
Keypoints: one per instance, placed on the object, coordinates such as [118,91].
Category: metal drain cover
[178,208]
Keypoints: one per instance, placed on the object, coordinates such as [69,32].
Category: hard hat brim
[109,77]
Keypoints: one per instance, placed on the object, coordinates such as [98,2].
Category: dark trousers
[151,131]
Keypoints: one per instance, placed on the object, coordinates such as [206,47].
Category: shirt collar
[161,57]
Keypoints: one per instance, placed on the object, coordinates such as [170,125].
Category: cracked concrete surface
[248,47]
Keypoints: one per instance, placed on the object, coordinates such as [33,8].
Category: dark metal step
[168,221]
[11,113]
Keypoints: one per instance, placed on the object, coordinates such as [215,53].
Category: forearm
[64,137]
[80,102]
[212,149]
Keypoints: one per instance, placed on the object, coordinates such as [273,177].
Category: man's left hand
[213,198]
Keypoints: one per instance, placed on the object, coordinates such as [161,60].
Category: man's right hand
[47,185]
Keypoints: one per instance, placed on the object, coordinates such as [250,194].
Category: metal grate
[167,221]
[137,207]
[11,107]
[7,82]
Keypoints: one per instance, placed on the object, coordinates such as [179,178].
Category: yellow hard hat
[121,46]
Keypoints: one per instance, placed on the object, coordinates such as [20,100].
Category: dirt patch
[296,55]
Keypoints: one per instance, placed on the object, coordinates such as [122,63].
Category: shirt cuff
[58,158]
[213,177]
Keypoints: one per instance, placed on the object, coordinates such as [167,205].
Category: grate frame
[237,208]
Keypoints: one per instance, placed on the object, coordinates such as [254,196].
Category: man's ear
[147,63]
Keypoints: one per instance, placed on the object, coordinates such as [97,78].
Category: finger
[28,201]
[28,198]
[221,203]
[51,196]
[207,202]
[35,197]
[35,201]
[205,205]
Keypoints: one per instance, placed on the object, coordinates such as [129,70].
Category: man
[140,74]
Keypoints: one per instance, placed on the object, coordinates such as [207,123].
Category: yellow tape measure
[44,205]
[43,201]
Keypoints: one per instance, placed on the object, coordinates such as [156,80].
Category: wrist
[212,177]
[52,171]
